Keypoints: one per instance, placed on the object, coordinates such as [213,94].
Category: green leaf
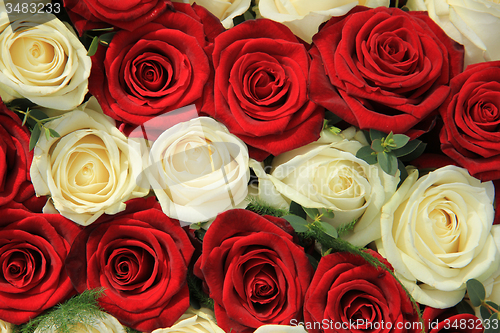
[374,134]
[53,133]
[493,305]
[464,307]
[365,153]
[328,213]
[35,135]
[93,46]
[476,292]
[248,15]
[485,312]
[47,133]
[312,260]
[26,116]
[38,114]
[332,118]
[105,39]
[194,226]
[407,148]
[377,145]
[388,162]
[400,140]
[492,325]
[415,153]
[297,222]
[402,173]
[103,29]
[330,229]
[297,209]
[327,252]
[311,212]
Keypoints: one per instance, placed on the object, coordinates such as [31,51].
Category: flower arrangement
[249,166]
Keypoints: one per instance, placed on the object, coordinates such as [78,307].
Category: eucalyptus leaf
[26,116]
[297,222]
[464,307]
[493,305]
[415,153]
[374,134]
[407,148]
[47,133]
[93,46]
[402,172]
[311,212]
[35,135]
[476,292]
[106,38]
[53,133]
[330,229]
[248,15]
[492,326]
[400,140]
[328,213]
[388,162]
[365,153]
[38,114]
[485,312]
[377,145]
[332,118]
[312,260]
[297,209]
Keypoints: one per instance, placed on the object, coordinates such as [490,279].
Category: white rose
[327,174]
[199,321]
[198,170]
[304,17]
[437,233]
[280,329]
[90,170]
[225,10]
[6,327]
[108,324]
[42,61]
[469,22]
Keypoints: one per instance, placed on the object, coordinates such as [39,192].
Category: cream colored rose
[6,327]
[108,324]
[326,174]
[437,233]
[469,22]
[304,17]
[225,10]
[199,321]
[42,61]
[198,169]
[280,329]
[90,170]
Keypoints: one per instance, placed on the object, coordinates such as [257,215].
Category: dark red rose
[15,162]
[471,116]
[260,91]
[140,257]
[348,294]
[156,68]
[254,271]
[383,68]
[450,321]
[33,248]
[124,14]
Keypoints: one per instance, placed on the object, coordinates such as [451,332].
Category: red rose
[450,321]
[254,271]
[351,295]
[124,14]
[140,257]
[471,117]
[33,248]
[15,162]
[156,68]
[383,68]
[260,91]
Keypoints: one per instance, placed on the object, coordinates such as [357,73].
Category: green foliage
[196,294]
[81,309]
[476,292]
[346,227]
[489,310]
[258,206]
[131,330]
[98,37]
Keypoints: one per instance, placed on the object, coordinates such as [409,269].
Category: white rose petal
[6,327]
[90,169]
[437,234]
[42,60]
[107,325]
[304,17]
[224,10]
[198,169]
[200,321]
[326,174]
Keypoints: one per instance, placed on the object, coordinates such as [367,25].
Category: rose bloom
[89,170]
[304,17]
[449,320]
[198,169]
[346,288]
[6,327]
[140,257]
[224,10]
[260,91]
[108,324]
[469,22]
[254,271]
[437,233]
[199,321]
[42,60]
[128,14]
[326,174]
[15,162]
[471,116]
[33,248]
[383,68]
[156,68]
